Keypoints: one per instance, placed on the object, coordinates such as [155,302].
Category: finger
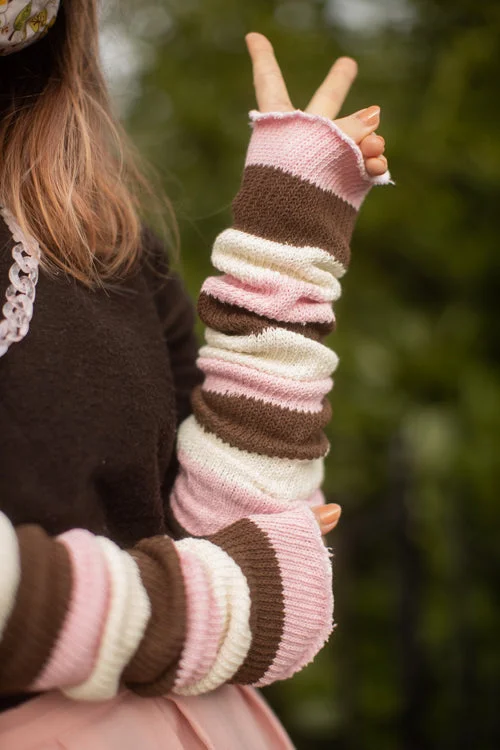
[270,87]
[372,146]
[330,96]
[376,167]
[327,516]
[361,123]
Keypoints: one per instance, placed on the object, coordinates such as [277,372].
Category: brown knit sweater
[89,404]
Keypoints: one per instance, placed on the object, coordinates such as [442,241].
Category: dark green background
[414,662]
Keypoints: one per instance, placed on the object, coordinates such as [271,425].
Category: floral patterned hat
[23,22]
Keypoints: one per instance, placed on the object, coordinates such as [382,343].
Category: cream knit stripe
[279,353]
[275,350]
[281,479]
[128,615]
[245,255]
[223,501]
[233,598]
[272,279]
[10,570]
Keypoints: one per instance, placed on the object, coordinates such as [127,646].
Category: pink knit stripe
[307,589]
[223,501]
[317,498]
[314,149]
[73,657]
[204,622]
[234,379]
[282,298]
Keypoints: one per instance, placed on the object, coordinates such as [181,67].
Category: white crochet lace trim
[23,275]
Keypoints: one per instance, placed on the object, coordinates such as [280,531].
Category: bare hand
[272,96]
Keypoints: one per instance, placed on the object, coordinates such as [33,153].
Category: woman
[145,587]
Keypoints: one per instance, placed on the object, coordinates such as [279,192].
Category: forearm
[256,440]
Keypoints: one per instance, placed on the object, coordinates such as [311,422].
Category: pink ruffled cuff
[313,148]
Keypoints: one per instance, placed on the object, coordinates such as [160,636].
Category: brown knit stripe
[278,206]
[40,609]
[261,427]
[153,668]
[251,549]
[233,320]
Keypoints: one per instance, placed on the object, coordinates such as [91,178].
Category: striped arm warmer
[245,594]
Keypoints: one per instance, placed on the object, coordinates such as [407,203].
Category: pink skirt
[228,718]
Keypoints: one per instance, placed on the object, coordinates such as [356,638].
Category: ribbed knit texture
[244,592]
[307,591]
[124,625]
[204,622]
[232,596]
[75,653]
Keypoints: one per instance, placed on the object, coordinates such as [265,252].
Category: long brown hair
[67,170]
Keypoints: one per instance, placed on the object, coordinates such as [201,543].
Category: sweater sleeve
[177,317]
[245,596]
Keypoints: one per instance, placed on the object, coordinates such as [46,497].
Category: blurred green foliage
[415,661]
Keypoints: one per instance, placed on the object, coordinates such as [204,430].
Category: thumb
[327,516]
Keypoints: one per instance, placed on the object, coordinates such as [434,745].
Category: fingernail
[369,114]
[330,514]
